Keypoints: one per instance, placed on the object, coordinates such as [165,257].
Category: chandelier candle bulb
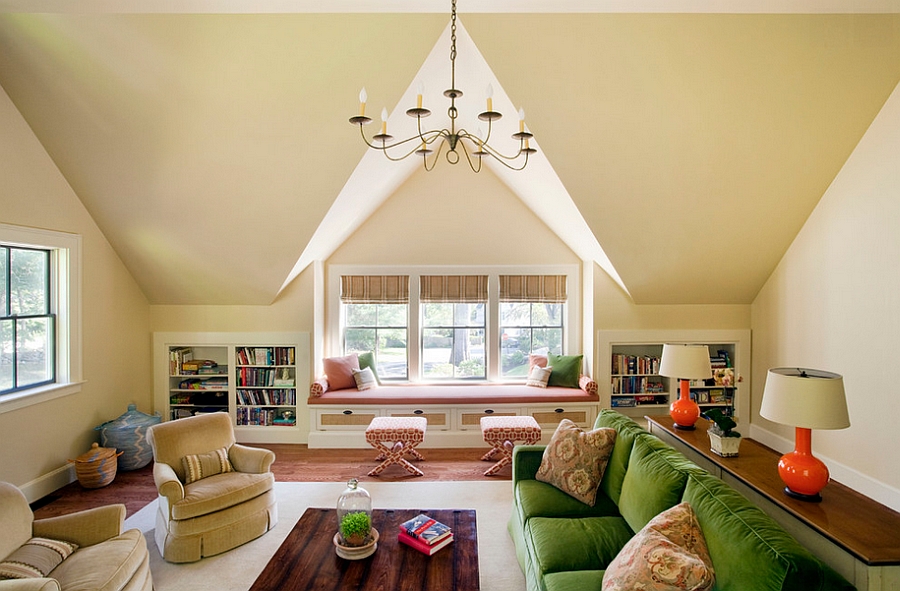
[421,89]
[362,102]
[490,98]
[522,122]
[384,118]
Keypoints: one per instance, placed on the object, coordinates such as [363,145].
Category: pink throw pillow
[536,360]
[339,371]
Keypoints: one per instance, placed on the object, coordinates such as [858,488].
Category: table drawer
[549,417]
[345,419]
[470,419]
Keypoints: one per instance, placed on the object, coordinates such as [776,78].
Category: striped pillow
[35,558]
[199,466]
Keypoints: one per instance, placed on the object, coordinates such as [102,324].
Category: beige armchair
[205,509]
[106,558]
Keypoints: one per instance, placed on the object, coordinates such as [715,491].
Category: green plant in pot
[723,439]
[355,528]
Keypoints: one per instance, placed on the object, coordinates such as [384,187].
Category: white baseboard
[49,483]
[874,489]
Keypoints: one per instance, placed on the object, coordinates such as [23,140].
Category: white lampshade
[685,362]
[808,398]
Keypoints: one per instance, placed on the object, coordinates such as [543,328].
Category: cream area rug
[237,569]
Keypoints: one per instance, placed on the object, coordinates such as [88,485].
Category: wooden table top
[861,526]
[307,560]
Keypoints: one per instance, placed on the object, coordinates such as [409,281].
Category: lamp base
[816,498]
[685,427]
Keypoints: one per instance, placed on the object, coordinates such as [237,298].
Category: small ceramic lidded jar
[355,500]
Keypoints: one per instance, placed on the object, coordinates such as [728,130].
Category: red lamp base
[684,411]
[804,474]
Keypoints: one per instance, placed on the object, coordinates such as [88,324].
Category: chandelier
[473,146]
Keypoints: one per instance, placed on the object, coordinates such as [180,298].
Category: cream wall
[833,303]
[38,440]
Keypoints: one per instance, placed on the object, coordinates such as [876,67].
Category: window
[27,324]
[40,311]
[453,326]
[531,319]
[456,322]
[375,310]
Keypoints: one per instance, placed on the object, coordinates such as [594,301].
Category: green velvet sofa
[565,545]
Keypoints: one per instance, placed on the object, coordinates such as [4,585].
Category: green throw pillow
[368,360]
[566,370]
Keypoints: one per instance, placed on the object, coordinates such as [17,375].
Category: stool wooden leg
[490,454]
[506,450]
[395,456]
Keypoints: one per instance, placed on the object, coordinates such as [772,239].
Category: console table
[855,535]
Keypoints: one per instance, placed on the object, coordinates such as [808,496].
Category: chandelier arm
[416,138]
[491,149]
[469,158]
[437,156]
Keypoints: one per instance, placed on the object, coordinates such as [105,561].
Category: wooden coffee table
[306,559]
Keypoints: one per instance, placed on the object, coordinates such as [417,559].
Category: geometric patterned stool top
[501,433]
[404,433]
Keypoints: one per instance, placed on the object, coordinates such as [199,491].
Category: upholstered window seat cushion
[454,394]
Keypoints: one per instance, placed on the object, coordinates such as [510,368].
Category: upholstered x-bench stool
[404,434]
[501,433]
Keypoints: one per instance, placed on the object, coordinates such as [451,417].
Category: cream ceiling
[210,147]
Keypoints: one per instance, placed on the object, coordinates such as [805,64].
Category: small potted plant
[723,439]
[355,528]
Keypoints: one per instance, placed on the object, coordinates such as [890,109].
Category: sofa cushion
[575,459]
[626,430]
[368,360]
[745,544]
[364,378]
[574,580]
[654,481]
[35,558]
[565,370]
[584,543]
[669,554]
[107,566]
[539,499]
[220,492]
[538,376]
[199,466]
[339,371]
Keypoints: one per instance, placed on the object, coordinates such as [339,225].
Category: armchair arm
[251,460]
[85,528]
[525,462]
[35,584]
[167,483]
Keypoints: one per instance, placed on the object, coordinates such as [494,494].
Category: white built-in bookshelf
[254,377]
[629,380]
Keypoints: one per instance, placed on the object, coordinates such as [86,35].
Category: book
[422,546]
[426,529]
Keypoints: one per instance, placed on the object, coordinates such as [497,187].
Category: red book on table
[421,546]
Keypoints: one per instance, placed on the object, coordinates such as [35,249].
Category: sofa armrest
[85,528]
[167,483]
[35,584]
[588,384]
[251,460]
[318,387]
[525,462]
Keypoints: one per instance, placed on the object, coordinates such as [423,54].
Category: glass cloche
[354,499]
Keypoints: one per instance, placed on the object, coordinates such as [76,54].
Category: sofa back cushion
[654,482]
[749,550]
[626,431]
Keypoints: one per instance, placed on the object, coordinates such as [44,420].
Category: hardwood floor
[293,463]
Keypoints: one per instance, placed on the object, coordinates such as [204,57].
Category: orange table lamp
[808,399]
[685,363]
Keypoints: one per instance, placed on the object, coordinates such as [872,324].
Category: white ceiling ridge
[442,6]
[376,178]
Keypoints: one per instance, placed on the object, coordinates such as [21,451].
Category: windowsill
[18,400]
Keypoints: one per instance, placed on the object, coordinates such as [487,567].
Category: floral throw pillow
[669,554]
[575,459]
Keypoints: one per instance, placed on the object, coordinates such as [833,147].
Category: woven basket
[96,467]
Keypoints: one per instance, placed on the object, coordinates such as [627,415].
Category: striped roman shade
[549,289]
[375,289]
[453,288]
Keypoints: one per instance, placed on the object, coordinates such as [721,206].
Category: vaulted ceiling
[209,144]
